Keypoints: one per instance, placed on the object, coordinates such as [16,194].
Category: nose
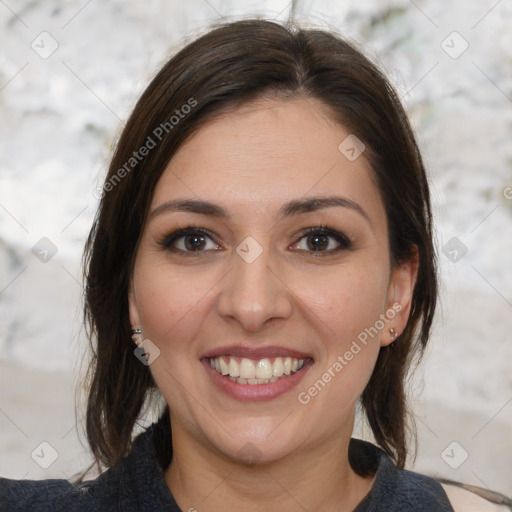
[253,293]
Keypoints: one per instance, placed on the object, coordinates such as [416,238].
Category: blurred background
[70,73]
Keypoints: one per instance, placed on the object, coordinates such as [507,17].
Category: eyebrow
[290,209]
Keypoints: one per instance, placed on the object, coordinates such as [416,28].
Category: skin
[251,161]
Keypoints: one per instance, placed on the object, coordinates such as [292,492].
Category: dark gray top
[137,484]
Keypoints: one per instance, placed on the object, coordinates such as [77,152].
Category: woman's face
[294,320]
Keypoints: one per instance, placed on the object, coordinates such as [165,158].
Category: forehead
[265,154]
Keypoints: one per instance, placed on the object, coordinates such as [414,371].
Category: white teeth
[239,380]
[287,366]
[260,372]
[264,369]
[223,366]
[247,370]
[278,367]
[233,368]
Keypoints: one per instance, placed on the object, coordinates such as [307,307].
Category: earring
[136,336]
[393,333]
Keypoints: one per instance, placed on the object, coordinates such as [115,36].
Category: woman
[262,258]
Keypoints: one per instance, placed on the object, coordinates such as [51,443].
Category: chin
[256,444]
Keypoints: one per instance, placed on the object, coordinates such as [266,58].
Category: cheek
[172,310]
[169,305]
[346,301]
[345,306]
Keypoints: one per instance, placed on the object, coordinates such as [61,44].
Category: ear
[399,300]
[132,304]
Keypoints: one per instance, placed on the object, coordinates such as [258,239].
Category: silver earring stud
[137,336]
[393,333]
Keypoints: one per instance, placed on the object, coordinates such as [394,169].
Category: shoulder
[57,495]
[464,500]
[128,486]
[415,488]
[398,489]
[41,495]
[403,489]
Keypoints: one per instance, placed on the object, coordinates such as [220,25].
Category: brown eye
[194,242]
[323,240]
[318,242]
[189,240]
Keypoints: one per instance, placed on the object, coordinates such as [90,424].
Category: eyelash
[322,230]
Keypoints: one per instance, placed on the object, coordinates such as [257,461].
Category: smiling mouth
[256,372]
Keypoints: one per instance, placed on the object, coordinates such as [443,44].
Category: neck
[316,478]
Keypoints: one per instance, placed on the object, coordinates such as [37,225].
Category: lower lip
[256,392]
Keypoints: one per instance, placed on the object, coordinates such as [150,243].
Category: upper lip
[255,352]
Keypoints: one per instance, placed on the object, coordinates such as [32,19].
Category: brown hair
[228,66]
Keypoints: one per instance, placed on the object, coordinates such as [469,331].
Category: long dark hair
[228,66]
